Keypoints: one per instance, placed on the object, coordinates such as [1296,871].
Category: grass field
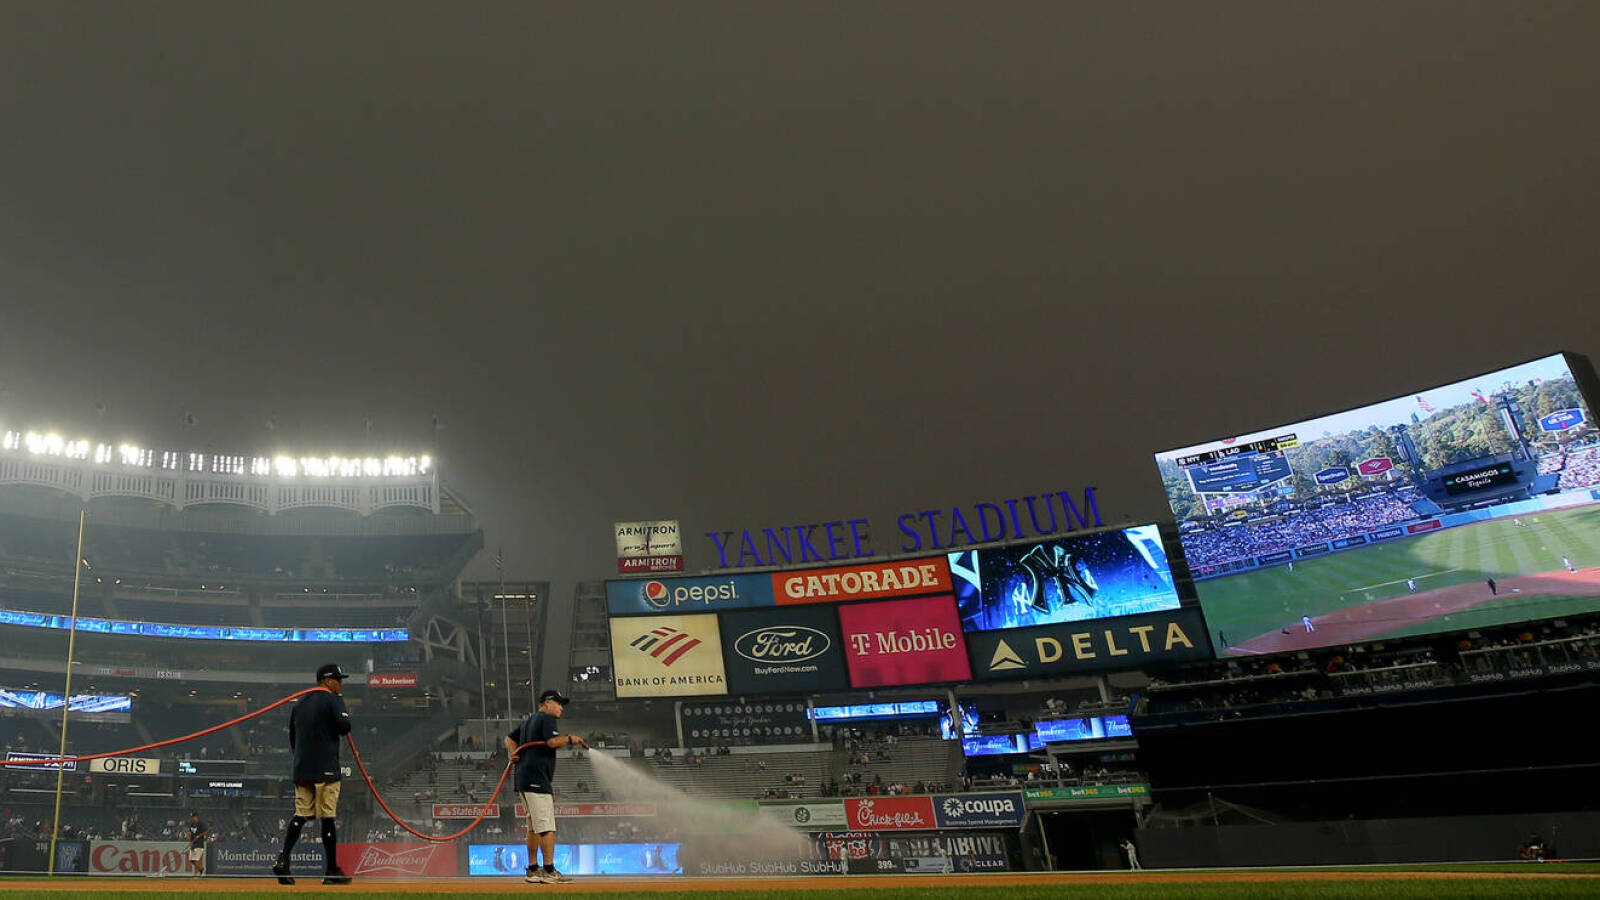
[1254,603]
[1403,883]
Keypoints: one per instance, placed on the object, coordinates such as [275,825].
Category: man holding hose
[536,770]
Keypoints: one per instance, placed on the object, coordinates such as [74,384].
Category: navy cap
[557,696]
[331,670]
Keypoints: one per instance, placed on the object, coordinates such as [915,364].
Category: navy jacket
[318,722]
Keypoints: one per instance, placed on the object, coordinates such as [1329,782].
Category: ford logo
[782,643]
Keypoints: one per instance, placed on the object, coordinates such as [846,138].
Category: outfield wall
[1368,842]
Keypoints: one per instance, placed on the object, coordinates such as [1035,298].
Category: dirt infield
[1366,621]
[614,885]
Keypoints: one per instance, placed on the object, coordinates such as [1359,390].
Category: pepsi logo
[655,594]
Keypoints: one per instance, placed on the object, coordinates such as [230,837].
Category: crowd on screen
[1580,468]
[1299,526]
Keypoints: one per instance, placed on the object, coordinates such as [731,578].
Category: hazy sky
[751,263]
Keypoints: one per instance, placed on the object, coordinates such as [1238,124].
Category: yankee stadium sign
[921,530]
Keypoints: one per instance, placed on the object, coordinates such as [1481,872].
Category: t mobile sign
[895,642]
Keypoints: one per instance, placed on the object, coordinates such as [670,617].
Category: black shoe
[335,876]
[281,869]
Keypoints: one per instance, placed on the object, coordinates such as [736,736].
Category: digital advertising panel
[1095,575]
[1468,505]
[690,594]
[900,642]
[1075,648]
[667,656]
[786,650]
[578,859]
[900,578]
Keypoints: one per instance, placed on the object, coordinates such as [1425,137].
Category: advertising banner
[392,679]
[1087,792]
[785,650]
[974,851]
[998,810]
[257,859]
[563,810]
[1099,575]
[895,642]
[138,857]
[391,860]
[578,859]
[667,656]
[648,547]
[126,765]
[1072,648]
[889,813]
[901,578]
[692,594]
[23,855]
[735,724]
[806,816]
[49,767]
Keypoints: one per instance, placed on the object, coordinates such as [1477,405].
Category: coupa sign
[138,857]
[979,810]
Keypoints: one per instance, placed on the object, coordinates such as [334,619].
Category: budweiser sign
[398,859]
[889,813]
[392,680]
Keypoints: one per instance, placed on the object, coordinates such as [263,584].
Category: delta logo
[1005,658]
[665,645]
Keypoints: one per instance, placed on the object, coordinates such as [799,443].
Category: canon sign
[782,643]
[138,857]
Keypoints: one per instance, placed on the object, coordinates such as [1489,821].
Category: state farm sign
[889,813]
[398,859]
[138,857]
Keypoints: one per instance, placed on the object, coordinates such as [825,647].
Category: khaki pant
[319,800]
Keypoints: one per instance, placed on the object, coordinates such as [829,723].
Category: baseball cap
[331,670]
[557,696]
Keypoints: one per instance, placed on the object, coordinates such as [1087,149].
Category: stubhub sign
[640,596]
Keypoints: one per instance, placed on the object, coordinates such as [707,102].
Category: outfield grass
[1254,603]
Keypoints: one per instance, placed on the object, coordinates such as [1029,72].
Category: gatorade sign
[904,578]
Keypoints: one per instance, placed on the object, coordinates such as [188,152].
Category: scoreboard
[1265,445]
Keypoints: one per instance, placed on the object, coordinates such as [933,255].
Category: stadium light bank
[131,456]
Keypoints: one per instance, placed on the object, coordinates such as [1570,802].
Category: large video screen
[1471,504]
[1113,572]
